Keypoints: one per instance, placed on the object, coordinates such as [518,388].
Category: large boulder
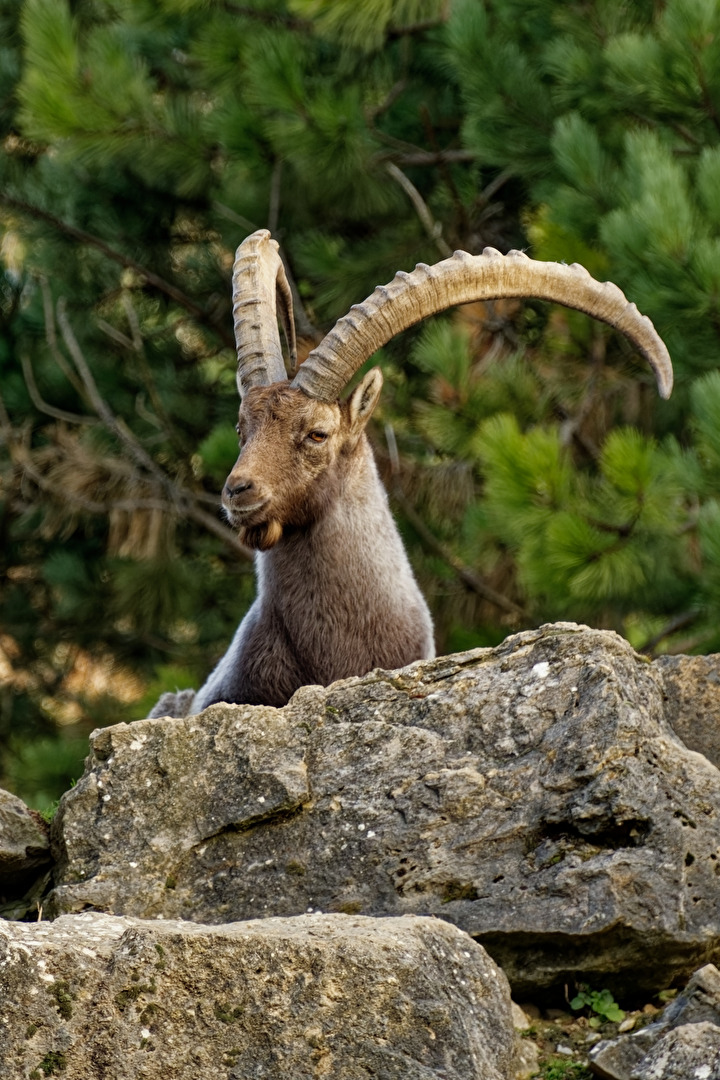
[92,996]
[533,794]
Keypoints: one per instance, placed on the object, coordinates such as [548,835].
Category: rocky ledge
[536,795]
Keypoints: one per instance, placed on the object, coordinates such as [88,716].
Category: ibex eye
[317,436]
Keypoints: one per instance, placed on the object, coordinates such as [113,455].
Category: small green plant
[52,1063]
[49,812]
[563,1070]
[63,998]
[600,1002]
[125,997]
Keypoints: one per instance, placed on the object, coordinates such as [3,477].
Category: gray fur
[333,600]
[335,594]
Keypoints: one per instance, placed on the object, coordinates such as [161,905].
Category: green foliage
[44,769]
[53,1063]
[705,402]
[218,451]
[365,25]
[141,142]
[601,1003]
[168,678]
[563,1070]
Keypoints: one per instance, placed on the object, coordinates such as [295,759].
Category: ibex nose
[237,487]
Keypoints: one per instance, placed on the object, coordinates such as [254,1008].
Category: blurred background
[534,472]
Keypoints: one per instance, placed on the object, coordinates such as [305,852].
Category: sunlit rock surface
[534,794]
[93,996]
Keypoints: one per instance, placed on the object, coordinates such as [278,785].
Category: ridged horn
[259,282]
[463,278]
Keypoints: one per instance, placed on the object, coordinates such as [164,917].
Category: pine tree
[141,143]
[609,115]
[533,469]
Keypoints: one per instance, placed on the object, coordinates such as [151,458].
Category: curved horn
[259,281]
[408,298]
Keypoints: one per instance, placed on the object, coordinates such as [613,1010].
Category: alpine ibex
[335,593]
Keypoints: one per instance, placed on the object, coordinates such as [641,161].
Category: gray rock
[615,1059]
[92,996]
[527,1054]
[693,1020]
[24,856]
[690,1052]
[699,1001]
[692,688]
[533,794]
[527,1059]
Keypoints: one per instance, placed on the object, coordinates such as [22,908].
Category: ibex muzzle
[336,595]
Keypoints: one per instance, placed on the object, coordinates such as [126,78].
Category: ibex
[335,592]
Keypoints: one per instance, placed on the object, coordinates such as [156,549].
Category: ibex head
[296,436]
[294,452]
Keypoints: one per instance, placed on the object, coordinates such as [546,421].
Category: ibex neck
[355,540]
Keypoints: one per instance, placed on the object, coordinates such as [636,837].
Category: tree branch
[118,428]
[444,170]
[51,337]
[390,98]
[422,158]
[42,406]
[182,501]
[270,18]
[116,256]
[494,186]
[432,228]
[422,25]
[21,457]
[161,418]
[687,618]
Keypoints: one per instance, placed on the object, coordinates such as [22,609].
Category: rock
[692,688]
[684,1037]
[526,1053]
[533,794]
[519,1018]
[699,1001]
[24,856]
[95,995]
[690,1052]
[615,1059]
[527,1060]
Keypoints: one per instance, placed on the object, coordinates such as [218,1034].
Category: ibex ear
[364,398]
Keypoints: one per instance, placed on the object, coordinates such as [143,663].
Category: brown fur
[336,595]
